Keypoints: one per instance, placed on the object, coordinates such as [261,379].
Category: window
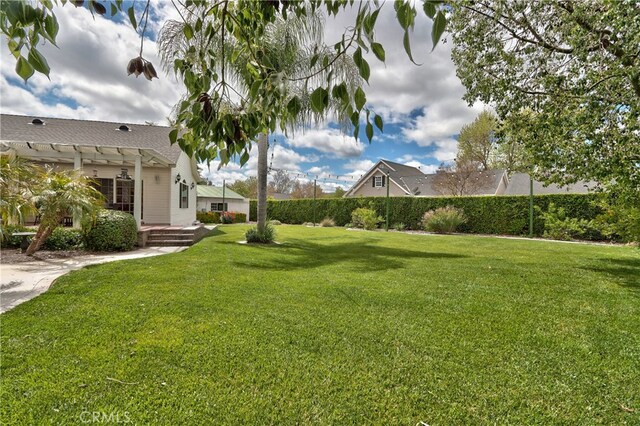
[219,207]
[184,196]
[378,181]
[105,186]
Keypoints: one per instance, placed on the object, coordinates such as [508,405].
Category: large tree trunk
[263,150]
[41,236]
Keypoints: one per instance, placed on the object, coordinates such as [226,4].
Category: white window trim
[378,182]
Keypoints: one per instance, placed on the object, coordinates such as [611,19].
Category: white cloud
[88,73]
[357,168]
[330,141]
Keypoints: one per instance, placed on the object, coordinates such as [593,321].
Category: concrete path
[23,281]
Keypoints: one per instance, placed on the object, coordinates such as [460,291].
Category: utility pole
[314,202]
[386,226]
[530,206]
[223,196]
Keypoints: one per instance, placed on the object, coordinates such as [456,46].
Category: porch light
[193,185]
[178,177]
[124,175]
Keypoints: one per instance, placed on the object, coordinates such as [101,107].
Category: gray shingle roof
[88,133]
[519,185]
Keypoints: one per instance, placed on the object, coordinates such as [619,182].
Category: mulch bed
[13,256]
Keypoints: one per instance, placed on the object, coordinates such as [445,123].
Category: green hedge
[208,217]
[64,239]
[112,231]
[502,215]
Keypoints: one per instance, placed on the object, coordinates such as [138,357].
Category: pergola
[79,155]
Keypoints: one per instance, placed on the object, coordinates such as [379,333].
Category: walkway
[23,281]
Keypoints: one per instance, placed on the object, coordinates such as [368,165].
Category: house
[407,181]
[519,185]
[219,199]
[134,166]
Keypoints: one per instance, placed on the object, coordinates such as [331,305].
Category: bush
[558,226]
[266,237]
[365,218]
[400,226]
[327,222]
[9,241]
[275,222]
[619,221]
[64,239]
[240,218]
[226,218]
[208,217]
[443,220]
[112,231]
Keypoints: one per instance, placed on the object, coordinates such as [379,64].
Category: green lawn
[335,327]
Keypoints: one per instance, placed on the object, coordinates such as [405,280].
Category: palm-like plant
[17,178]
[60,194]
[287,48]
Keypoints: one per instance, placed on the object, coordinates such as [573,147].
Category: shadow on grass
[361,256]
[625,271]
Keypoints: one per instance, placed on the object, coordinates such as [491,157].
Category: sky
[421,105]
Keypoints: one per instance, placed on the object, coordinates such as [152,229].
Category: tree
[280,183]
[462,178]
[288,46]
[305,190]
[338,193]
[248,187]
[477,141]
[60,194]
[237,28]
[575,64]
[17,178]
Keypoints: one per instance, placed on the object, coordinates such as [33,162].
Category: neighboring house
[213,199]
[519,185]
[407,181]
[134,165]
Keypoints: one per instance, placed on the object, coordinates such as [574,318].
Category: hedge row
[503,215]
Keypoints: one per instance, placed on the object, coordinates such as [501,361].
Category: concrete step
[171,236]
[165,243]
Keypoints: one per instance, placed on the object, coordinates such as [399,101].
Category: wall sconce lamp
[157,178]
[193,185]
[178,177]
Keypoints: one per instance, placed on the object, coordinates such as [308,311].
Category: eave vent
[37,122]
[124,128]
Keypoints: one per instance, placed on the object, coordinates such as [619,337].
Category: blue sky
[422,105]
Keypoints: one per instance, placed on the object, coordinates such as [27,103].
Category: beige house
[134,166]
[407,181]
[215,199]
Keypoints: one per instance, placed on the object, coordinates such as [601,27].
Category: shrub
[64,239]
[240,218]
[266,237]
[443,220]
[8,240]
[619,221]
[208,217]
[365,218]
[226,218]
[327,222]
[112,231]
[348,225]
[558,226]
[400,226]
[275,222]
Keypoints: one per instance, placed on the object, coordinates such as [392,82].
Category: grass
[335,327]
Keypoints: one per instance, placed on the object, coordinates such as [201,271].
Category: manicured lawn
[335,327]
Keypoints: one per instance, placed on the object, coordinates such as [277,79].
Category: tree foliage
[477,141]
[248,187]
[575,64]
[461,178]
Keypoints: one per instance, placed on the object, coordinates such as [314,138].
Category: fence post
[530,207]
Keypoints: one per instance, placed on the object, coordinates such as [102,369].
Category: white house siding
[367,189]
[186,216]
[155,188]
[233,205]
